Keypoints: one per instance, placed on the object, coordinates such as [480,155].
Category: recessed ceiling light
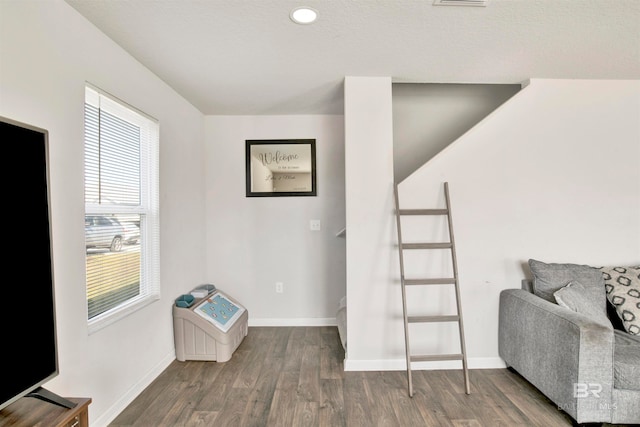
[303,15]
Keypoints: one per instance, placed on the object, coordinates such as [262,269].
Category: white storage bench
[210,328]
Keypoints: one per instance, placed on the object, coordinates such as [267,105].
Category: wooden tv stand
[29,411]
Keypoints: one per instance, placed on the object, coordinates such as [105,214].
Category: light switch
[314,225]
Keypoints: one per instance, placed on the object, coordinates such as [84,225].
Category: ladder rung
[444,245]
[435,357]
[425,319]
[442,281]
[423,212]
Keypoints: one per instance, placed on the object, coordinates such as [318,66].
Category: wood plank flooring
[293,376]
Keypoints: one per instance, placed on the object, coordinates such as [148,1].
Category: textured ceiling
[247,57]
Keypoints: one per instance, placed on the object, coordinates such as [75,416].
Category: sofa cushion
[622,286]
[550,277]
[574,297]
[626,361]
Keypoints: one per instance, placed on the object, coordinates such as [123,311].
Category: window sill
[112,316]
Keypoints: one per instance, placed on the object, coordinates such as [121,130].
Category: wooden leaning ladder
[431,281]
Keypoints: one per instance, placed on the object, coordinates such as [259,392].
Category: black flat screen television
[27,314]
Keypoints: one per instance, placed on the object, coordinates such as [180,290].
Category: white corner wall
[552,174]
[255,242]
[47,52]
[374,335]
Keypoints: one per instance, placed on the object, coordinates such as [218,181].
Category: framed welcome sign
[281,167]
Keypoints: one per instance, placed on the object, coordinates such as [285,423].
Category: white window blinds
[121,208]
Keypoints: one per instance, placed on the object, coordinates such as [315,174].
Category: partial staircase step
[431,281]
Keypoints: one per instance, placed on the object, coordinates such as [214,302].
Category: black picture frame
[280,167]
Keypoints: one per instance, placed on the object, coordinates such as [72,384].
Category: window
[121,208]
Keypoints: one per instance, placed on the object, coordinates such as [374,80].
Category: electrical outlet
[279,287]
[314,225]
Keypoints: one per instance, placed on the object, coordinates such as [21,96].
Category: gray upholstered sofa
[561,332]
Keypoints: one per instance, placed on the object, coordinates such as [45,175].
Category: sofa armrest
[564,354]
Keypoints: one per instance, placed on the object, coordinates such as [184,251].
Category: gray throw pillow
[550,277]
[574,297]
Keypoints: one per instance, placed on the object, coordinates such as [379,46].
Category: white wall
[552,174]
[254,242]
[47,52]
[372,298]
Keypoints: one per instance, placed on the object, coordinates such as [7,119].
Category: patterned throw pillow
[623,291]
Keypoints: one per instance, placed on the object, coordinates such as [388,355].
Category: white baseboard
[110,414]
[314,321]
[401,365]
[486,363]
